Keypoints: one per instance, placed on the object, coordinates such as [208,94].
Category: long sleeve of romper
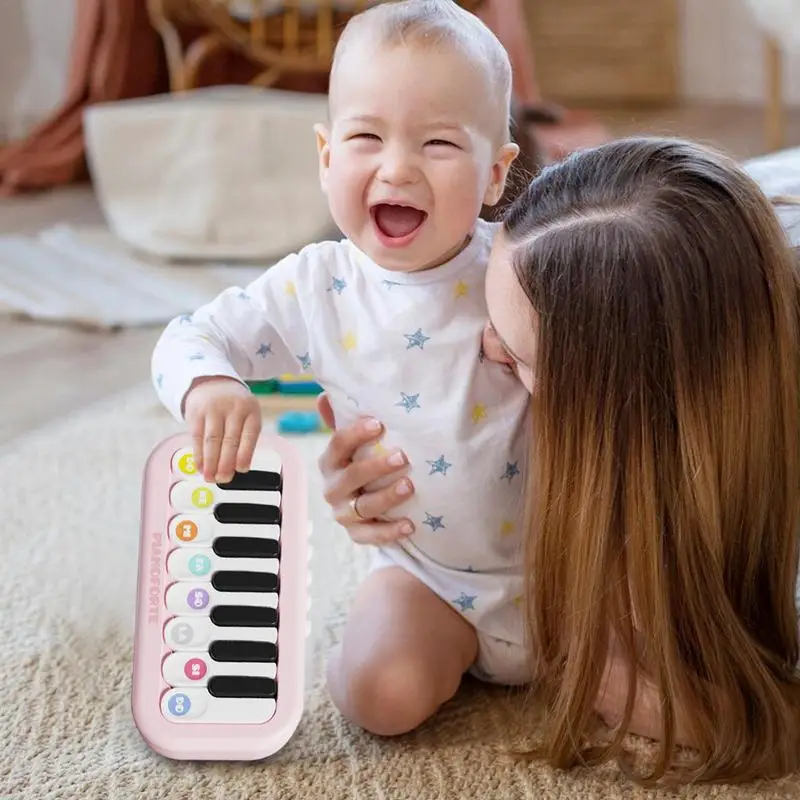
[253,333]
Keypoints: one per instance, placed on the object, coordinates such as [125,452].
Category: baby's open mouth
[395,221]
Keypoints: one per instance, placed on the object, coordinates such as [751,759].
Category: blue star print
[196,357]
[511,471]
[390,284]
[466,602]
[417,339]
[305,361]
[264,350]
[434,522]
[185,318]
[244,296]
[338,285]
[409,401]
[440,465]
[159,380]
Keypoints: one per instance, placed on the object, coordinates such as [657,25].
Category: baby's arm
[201,361]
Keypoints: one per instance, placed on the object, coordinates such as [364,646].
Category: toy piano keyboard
[221,612]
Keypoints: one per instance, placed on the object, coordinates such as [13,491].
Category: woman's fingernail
[397,459]
[372,424]
[406,529]
[404,487]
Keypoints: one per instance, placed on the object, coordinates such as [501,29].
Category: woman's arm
[646,719]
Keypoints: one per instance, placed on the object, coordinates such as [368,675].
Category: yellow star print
[291,289]
[349,341]
[507,528]
[518,600]
[462,289]
[380,450]
[478,413]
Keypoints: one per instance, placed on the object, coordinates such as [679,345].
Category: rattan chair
[279,37]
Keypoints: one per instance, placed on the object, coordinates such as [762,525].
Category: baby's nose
[492,348]
[396,167]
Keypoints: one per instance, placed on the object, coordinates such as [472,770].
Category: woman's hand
[354,508]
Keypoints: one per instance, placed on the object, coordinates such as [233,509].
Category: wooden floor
[47,371]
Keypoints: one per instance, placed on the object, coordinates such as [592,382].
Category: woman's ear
[503,161]
[324,151]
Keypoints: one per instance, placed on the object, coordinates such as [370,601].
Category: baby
[389,322]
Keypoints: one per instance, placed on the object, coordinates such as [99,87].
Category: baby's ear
[324,151]
[503,160]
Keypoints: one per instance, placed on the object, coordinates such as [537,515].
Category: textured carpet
[87,276]
[67,578]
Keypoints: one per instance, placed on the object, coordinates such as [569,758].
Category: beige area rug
[85,275]
[68,552]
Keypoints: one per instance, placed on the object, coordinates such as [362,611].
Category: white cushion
[226,172]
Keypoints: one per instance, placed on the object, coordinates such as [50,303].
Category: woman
[650,300]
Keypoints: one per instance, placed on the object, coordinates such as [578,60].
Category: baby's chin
[402,261]
[406,260]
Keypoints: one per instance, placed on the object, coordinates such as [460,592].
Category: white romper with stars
[406,349]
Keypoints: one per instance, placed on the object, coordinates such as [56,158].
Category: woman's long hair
[665,473]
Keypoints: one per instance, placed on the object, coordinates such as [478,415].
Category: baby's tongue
[398,221]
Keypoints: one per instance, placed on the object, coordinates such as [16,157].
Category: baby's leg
[403,654]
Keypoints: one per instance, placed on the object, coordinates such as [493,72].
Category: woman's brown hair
[665,473]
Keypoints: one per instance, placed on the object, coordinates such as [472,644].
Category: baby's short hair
[433,24]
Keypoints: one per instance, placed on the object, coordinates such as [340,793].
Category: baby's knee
[388,697]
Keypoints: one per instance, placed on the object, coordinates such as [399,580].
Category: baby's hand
[225,420]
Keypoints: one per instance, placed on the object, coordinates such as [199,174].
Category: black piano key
[246,547]
[244,616]
[254,480]
[242,686]
[231,650]
[234,581]
[247,514]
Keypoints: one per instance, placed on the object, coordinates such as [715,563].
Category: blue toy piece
[300,422]
[297,384]
[299,387]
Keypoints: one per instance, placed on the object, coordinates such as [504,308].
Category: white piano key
[191,530]
[201,496]
[196,669]
[195,704]
[183,462]
[247,530]
[195,634]
[189,564]
[201,597]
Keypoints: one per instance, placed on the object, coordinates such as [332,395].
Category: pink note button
[195,669]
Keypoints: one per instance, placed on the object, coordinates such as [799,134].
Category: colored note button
[183,463]
[192,496]
[184,704]
[191,529]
